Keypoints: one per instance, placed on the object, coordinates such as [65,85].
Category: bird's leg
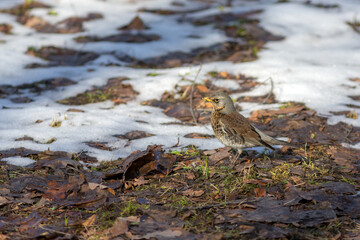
[236,157]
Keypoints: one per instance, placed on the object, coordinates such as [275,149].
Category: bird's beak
[207,99]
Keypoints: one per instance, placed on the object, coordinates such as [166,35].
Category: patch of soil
[47,84]
[69,25]
[321,5]
[171,12]
[355,25]
[60,56]
[114,90]
[36,87]
[121,37]
[265,99]
[135,24]
[356,98]
[6,90]
[21,9]
[227,51]
[21,100]
[5,28]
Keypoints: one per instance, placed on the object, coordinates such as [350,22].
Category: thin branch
[236,202]
[271,90]
[191,95]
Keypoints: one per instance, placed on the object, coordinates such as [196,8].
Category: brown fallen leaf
[190,175]
[344,157]
[21,100]
[220,155]
[244,229]
[192,193]
[355,79]
[166,234]
[89,222]
[140,163]
[136,24]
[224,74]
[120,227]
[297,180]
[74,110]
[134,135]
[5,28]
[4,201]
[198,135]
[3,237]
[260,192]
[202,88]
[140,181]
[263,113]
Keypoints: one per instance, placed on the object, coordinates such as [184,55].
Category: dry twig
[191,95]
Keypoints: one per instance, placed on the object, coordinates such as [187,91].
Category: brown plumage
[233,129]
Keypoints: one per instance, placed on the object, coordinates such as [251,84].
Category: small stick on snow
[191,95]
[271,90]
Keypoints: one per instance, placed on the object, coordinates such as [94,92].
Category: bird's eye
[216,100]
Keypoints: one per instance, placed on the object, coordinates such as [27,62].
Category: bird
[234,130]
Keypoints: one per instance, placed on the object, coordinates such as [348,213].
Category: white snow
[18,161]
[312,64]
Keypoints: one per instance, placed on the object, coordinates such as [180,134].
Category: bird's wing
[237,125]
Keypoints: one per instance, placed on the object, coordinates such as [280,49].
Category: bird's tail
[281,142]
[272,141]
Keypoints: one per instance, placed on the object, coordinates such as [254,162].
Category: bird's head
[221,102]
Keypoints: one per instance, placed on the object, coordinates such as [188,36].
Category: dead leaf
[192,193]
[198,135]
[269,210]
[224,74]
[141,163]
[4,201]
[3,237]
[167,234]
[202,88]
[99,145]
[74,110]
[190,175]
[90,221]
[220,155]
[297,180]
[355,79]
[263,113]
[21,100]
[134,135]
[260,192]
[140,181]
[5,28]
[244,229]
[136,24]
[120,227]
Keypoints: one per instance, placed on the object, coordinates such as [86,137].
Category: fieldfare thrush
[234,130]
